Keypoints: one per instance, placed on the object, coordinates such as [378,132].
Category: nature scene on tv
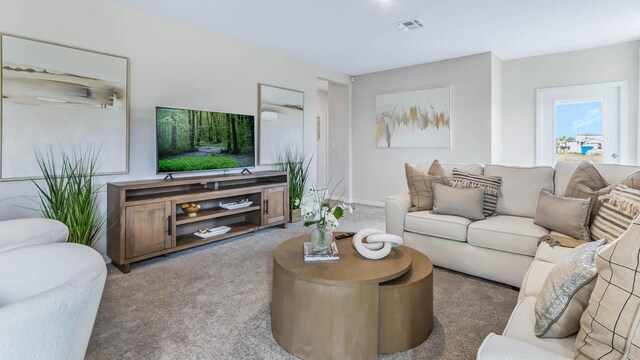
[192,140]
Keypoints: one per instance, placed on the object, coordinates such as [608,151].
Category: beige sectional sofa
[501,247]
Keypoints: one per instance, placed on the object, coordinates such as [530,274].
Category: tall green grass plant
[69,194]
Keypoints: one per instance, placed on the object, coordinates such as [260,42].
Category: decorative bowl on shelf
[236,205]
[191,209]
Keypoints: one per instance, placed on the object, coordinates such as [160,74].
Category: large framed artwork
[281,125]
[420,118]
[61,98]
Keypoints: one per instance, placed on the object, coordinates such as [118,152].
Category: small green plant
[293,162]
[71,196]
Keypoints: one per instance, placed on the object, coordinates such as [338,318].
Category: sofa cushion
[514,234]
[521,326]
[472,168]
[442,226]
[520,188]
[535,278]
[612,174]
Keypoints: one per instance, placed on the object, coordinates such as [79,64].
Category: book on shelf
[309,255]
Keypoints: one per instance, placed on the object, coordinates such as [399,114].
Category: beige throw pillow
[609,325]
[569,216]
[420,189]
[490,185]
[566,292]
[587,183]
[618,209]
[464,202]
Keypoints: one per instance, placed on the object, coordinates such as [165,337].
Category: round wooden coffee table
[351,308]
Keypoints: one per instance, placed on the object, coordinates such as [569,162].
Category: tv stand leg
[169,176]
[284,226]
[246,171]
[125,268]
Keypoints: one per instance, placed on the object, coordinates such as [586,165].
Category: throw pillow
[587,183]
[490,185]
[569,216]
[437,169]
[566,292]
[420,189]
[464,202]
[608,327]
[618,209]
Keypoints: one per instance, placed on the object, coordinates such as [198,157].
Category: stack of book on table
[309,255]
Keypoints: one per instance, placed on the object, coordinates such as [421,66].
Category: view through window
[578,129]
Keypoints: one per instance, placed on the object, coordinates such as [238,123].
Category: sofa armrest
[497,347]
[552,254]
[25,232]
[395,208]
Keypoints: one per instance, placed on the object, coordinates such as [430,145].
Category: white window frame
[545,145]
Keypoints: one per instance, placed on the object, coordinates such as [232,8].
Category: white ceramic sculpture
[378,243]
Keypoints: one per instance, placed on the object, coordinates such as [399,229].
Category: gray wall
[379,172]
[171,65]
[521,78]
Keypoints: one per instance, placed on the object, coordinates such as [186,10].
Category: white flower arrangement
[320,211]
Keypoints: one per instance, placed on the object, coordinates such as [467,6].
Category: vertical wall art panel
[60,97]
[414,119]
[281,122]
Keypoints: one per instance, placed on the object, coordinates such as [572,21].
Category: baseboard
[368,202]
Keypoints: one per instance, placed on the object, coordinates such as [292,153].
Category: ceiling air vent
[410,25]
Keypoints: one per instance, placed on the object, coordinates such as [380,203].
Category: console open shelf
[145,219]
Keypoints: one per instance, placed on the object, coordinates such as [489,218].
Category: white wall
[339,130]
[170,65]
[379,172]
[521,78]
[321,154]
[496,110]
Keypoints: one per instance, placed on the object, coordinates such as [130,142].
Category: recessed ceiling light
[409,25]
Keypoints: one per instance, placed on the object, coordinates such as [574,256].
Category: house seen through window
[579,131]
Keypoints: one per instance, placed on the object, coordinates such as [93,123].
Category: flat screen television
[195,140]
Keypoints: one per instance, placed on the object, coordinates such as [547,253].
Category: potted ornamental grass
[294,163]
[68,193]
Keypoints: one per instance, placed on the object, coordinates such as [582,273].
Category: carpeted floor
[212,302]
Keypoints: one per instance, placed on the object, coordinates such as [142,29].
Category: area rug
[212,302]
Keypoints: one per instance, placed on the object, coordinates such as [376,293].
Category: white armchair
[49,295]
[25,232]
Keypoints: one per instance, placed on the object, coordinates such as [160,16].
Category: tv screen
[195,140]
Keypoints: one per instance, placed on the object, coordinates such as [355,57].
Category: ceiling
[358,36]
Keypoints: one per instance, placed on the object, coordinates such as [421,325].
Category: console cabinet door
[147,228]
[275,205]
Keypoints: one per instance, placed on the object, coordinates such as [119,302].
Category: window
[584,122]
[579,130]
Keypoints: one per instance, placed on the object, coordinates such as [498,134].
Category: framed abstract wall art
[420,118]
[281,124]
[61,98]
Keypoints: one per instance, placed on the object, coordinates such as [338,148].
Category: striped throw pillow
[490,185]
[618,209]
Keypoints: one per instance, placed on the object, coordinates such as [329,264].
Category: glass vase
[321,239]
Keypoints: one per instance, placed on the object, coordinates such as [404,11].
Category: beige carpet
[212,302]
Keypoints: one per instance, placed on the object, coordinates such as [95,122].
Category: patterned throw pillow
[490,185]
[587,183]
[420,188]
[437,169]
[566,292]
[618,209]
[609,325]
